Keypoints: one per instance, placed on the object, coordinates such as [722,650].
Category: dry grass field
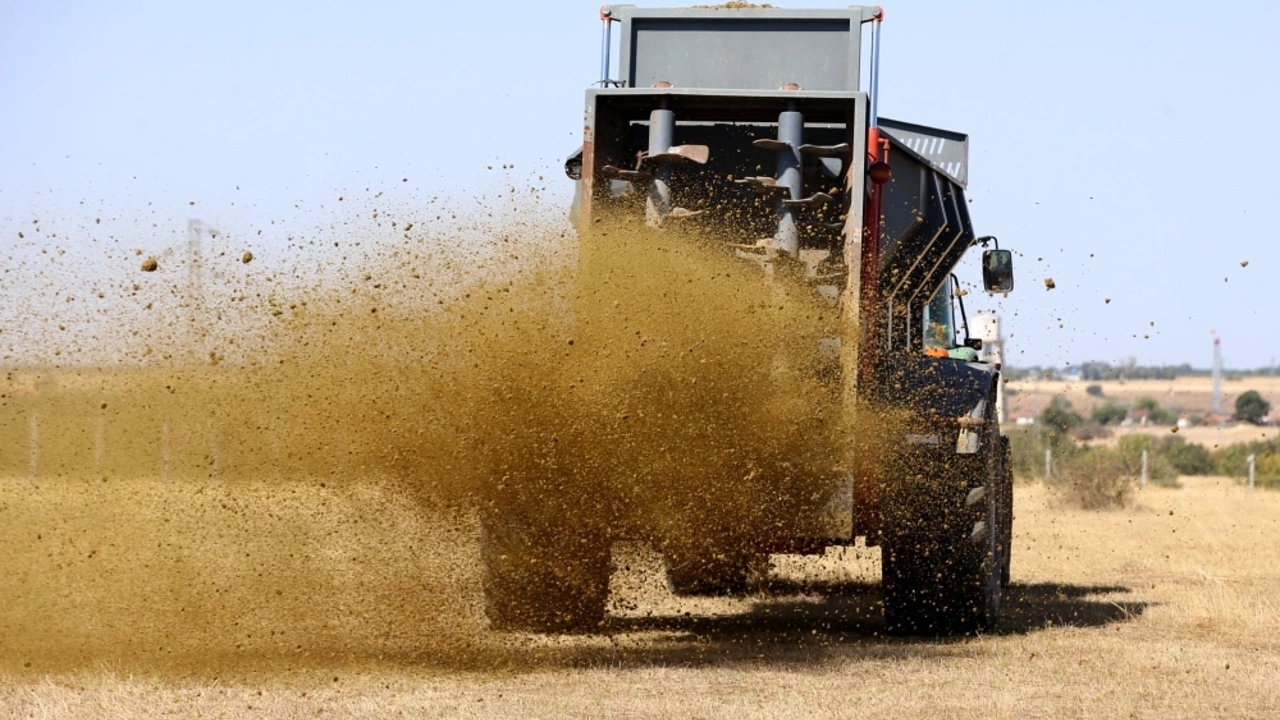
[1185,395]
[1193,395]
[140,598]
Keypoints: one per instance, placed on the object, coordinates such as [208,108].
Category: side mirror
[997,271]
[573,165]
[975,343]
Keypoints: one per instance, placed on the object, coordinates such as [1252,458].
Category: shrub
[1159,470]
[1267,471]
[1028,445]
[1109,413]
[1059,416]
[1186,458]
[1090,431]
[1156,415]
[1093,390]
[1232,461]
[1096,479]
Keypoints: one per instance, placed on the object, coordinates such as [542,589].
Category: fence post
[1143,482]
[164,452]
[275,447]
[215,452]
[1251,461]
[1048,463]
[99,439]
[34,459]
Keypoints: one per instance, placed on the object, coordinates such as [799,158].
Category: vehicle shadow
[798,625]
[854,609]
[806,624]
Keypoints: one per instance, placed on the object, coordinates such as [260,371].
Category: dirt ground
[288,530]
[141,598]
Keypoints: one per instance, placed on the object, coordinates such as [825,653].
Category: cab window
[939,326]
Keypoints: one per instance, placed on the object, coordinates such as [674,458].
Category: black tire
[940,559]
[542,574]
[707,571]
[1006,524]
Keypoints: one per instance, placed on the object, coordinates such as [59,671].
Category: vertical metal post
[606,41]
[662,131]
[1252,458]
[869,299]
[874,119]
[1048,463]
[1143,482]
[1217,377]
[1274,408]
[791,132]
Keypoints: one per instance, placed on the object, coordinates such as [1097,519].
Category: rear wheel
[708,571]
[543,573]
[941,558]
[1006,510]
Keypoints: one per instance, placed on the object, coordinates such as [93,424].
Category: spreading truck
[752,122]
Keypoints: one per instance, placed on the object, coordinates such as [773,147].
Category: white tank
[987,327]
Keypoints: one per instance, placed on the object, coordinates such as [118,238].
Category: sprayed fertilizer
[313,499]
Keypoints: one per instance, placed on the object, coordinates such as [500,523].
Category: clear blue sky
[1131,146]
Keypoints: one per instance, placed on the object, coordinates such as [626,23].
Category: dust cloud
[301,486]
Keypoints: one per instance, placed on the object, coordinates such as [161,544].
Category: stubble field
[145,598]
[1189,394]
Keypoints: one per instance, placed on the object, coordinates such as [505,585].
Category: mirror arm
[964,318]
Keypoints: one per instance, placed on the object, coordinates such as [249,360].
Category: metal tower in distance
[1217,373]
[197,276]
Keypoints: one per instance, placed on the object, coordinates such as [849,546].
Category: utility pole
[197,308]
[1217,374]
[1275,412]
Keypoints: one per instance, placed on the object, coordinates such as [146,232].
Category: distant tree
[1110,413]
[1060,417]
[1095,371]
[1250,407]
[1155,414]
[1093,390]
[1016,373]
